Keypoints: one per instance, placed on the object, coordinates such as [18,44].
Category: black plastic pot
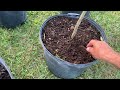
[11,19]
[2,62]
[78,12]
[62,68]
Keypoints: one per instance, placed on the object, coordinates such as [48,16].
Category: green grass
[23,53]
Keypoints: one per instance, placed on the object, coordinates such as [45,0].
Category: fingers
[92,43]
[89,49]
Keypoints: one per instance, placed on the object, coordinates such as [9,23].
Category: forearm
[114,58]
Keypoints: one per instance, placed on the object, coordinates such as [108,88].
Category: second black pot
[2,62]
[11,19]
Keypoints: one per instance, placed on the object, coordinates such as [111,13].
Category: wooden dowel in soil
[78,23]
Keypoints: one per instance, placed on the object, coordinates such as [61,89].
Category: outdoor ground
[22,51]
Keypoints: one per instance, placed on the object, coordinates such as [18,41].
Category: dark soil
[4,73]
[57,39]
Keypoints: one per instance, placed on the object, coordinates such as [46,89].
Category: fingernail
[88,49]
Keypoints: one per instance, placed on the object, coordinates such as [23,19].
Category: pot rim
[72,15]
[6,67]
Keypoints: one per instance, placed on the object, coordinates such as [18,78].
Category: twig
[78,23]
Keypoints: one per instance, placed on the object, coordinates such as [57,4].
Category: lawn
[23,53]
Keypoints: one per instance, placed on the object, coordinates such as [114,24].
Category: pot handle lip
[73,14]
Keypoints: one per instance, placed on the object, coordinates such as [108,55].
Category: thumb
[89,49]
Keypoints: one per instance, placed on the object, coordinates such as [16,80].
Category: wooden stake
[78,23]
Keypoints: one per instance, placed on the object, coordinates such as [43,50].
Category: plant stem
[78,23]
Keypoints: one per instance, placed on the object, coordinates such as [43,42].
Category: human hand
[100,49]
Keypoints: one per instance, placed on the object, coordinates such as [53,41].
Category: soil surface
[4,73]
[57,39]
